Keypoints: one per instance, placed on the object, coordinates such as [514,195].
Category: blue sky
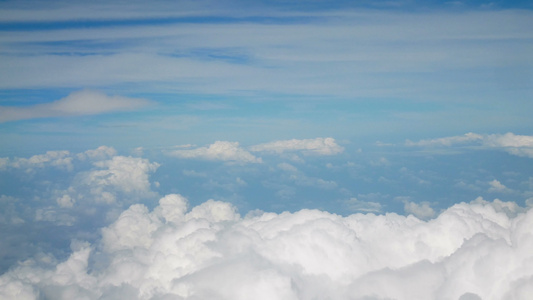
[374,107]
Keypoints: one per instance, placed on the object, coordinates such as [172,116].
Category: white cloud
[299,57]
[318,146]
[496,186]
[354,204]
[100,153]
[211,252]
[420,210]
[59,159]
[509,140]
[85,102]
[220,150]
[49,198]
[521,145]
[447,141]
[109,175]
[122,174]
[65,201]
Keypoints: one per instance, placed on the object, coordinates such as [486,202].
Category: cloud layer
[219,150]
[211,252]
[521,145]
[85,102]
[318,146]
[232,152]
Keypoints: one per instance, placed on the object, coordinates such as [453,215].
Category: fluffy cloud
[211,252]
[220,150]
[62,159]
[100,153]
[59,159]
[128,174]
[521,145]
[318,146]
[421,210]
[497,186]
[108,175]
[85,102]
[47,199]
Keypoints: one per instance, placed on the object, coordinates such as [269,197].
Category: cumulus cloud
[120,174]
[100,153]
[497,186]
[59,159]
[318,146]
[211,252]
[62,159]
[85,102]
[127,173]
[220,150]
[49,198]
[110,174]
[521,145]
[420,210]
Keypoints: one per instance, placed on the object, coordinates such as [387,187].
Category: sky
[266,149]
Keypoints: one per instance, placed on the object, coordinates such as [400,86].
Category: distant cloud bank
[521,145]
[318,146]
[232,152]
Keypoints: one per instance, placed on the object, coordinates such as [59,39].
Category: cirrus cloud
[85,102]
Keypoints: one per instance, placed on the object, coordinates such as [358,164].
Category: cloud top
[85,102]
[211,252]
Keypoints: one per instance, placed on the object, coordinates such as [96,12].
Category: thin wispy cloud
[232,151]
[318,146]
[521,145]
[337,53]
[85,102]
